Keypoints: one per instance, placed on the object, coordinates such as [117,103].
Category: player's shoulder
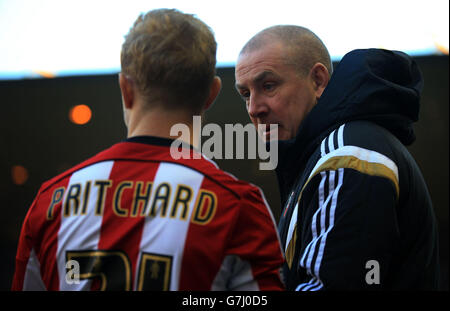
[247,195]
[53,182]
[240,188]
[208,168]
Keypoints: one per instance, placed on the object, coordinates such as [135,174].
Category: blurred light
[80,114]
[44,74]
[442,48]
[19,174]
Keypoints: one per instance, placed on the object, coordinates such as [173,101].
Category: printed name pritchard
[194,301]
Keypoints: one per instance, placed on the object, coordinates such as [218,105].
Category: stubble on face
[287,104]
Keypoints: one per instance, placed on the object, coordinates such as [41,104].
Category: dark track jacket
[357,213]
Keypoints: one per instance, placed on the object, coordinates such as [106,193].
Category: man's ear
[214,91]
[320,77]
[126,87]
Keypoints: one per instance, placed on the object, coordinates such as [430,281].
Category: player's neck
[159,123]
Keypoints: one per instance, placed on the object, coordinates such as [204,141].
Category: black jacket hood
[373,84]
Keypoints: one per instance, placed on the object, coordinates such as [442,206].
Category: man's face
[273,90]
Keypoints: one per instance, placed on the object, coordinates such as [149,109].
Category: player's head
[168,60]
[302,46]
[280,73]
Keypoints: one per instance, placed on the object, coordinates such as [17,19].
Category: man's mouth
[268,131]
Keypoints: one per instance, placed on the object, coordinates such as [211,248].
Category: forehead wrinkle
[262,75]
[264,68]
[258,78]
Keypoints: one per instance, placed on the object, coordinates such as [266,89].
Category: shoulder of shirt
[95,159]
[204,165]
[238,187]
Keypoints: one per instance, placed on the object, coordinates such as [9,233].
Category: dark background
[35,132]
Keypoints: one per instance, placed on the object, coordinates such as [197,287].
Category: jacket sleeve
[257,257]
[351,231]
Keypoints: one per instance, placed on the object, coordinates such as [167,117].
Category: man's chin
[271,135]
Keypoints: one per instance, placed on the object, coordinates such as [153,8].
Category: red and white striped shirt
[134,218]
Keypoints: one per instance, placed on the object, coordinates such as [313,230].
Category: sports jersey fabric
[134,218]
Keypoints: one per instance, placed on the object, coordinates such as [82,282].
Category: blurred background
[61,101]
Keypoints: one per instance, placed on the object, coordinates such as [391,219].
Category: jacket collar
[373,84]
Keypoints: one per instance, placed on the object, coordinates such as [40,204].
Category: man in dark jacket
[356,210]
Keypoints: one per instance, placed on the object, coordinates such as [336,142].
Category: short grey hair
[304,47]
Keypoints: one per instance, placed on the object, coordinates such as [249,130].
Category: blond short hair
[170,57]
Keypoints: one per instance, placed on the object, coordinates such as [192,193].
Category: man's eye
[269,86]
[245,95]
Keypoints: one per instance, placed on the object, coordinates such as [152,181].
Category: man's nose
[257,107]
